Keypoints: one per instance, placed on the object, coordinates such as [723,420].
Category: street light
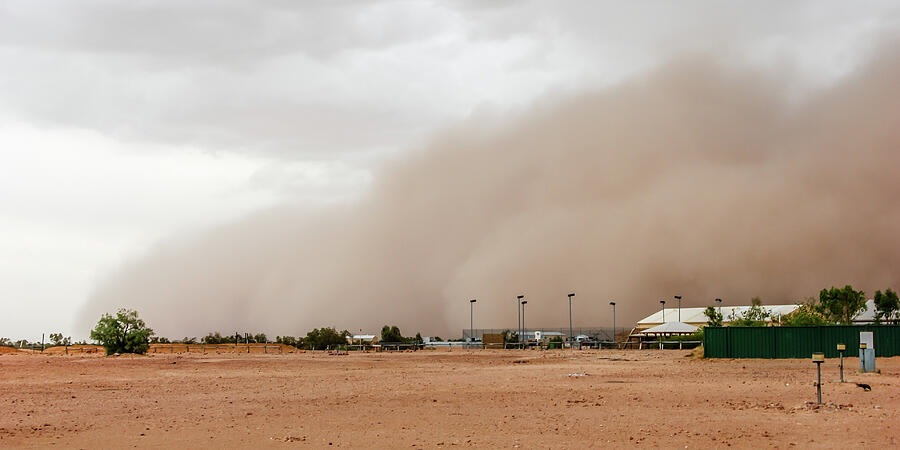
[523,317]
[614,324]
[570,319]
[471,320]
[663,303]
[519,317]
[678,297]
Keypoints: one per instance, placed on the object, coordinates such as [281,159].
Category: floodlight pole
[519,319]
[570,320]
[471,319]
[678,297]
[523,318]
[663,303]
[615,344]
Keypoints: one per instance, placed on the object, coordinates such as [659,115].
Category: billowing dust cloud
[695,180]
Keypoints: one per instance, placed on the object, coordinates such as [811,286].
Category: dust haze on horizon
[695,178]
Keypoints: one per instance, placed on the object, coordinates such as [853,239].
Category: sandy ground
[440,399]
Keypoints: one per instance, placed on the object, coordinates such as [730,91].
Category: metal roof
[695,315]
[671,328]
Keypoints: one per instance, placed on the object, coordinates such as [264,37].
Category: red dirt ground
[438,399]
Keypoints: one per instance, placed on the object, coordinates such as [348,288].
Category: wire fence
[601,334]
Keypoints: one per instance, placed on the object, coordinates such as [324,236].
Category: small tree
[887,305]
[58,339]
[805,316]
[756,316]
[123,333]
[713,317]
[391,334]
[841,305]
[322,338]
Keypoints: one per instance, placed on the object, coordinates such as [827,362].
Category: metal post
[819,382]
[840,349]
[472,320]
[519,319]
[571,337]
[663,303]
[678,297]
[818,358]
[42,342]
[523,318]
[615,344]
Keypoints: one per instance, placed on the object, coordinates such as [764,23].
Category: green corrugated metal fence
[796,342]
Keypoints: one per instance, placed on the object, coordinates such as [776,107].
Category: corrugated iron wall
[796,342]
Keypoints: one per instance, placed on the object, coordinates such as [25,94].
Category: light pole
[614,324]
[519,318]
[719,301]
[570,319]
[471,320]
[678,297]
[663,303]
[523,317]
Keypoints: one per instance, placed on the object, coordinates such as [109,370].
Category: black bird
[865,386]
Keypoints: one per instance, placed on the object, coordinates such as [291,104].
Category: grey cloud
[291,79]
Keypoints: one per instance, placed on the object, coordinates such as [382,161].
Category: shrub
[123,333]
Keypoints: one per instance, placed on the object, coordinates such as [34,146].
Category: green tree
[58,339]
[755,316]
[391,334]
[212,339]
[887,305]
[841,305]
[806,315]
[123,333]
[713,317]
[323,338]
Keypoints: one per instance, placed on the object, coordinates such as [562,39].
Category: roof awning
[671,328]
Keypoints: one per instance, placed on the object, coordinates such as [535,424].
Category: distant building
[697,318]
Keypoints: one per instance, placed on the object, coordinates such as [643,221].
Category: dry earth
[440,399]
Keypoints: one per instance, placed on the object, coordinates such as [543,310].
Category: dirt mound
[221,348]
[8,350]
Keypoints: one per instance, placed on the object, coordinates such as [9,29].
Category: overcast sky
[122,123]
